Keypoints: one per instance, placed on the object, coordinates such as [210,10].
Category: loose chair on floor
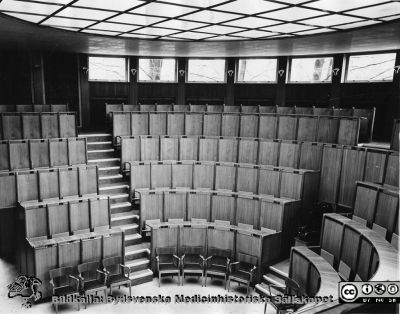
[92,279]
[193,262]
[64,283]
[243,270]
[168,263]
[116,275]
[217,264]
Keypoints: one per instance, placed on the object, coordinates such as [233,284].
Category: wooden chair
[116,276]
[92,279]
[242,271]
[168,263]
[292,288]
[64,283]
[217,264]
[193,262]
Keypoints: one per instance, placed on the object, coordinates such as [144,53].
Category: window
[311,70]
[256,70]
[377,67]
[206,70]
[108,69]
[157,70]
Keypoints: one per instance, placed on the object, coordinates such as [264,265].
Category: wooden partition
[394,144]
[262,244]
[329,129]
[42,108]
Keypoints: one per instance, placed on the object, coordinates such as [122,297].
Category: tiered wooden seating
[28,125]
[279,214]
[280,182]
[328,129]
[64,233]
[355,250]
[42,153]
[263,244]
[36,108]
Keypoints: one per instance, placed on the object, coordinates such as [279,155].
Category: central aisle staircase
[123,215]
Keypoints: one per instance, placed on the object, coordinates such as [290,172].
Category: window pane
[311,70]
[206,70]
[107,69]
[157,70]
[378,67]
[257,70]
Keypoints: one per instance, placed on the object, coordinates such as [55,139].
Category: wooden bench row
[366,128]
[254,212]
[44,184]
[34,125]
[263,244]
[42,153]
[325,129]
[34,108]
[259,180]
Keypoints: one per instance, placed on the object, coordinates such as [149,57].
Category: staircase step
[138,264]
[132,239]
[281,269]
[130,228]
[109,179]
[109,170]
[141,276]
[117,188]
[100,145]
[97,137]
[100,153]
[124,218]
[119,198]
[137,251]
[121,207]
[105,162]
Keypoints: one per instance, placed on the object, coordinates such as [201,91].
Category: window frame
[160,81]
[127,66]
[347,64]
[289,69]
[205,82]
[256,82]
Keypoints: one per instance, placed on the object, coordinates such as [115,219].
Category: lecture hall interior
[204,156]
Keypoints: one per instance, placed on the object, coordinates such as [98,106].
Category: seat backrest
[193,250]
[165,250]
[247,260]
[216,252]
[111,261]
[88,267]
[58,275]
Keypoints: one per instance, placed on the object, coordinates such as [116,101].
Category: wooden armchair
[116,275]
[217,264]
[168,263]
[64,283]
[92,279]
[243,270]
[193,262]
[292,288]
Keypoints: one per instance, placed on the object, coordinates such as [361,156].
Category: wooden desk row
[34,125]
[325,129]
[291,183]
[262,244]
[237,208]
[42,153]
